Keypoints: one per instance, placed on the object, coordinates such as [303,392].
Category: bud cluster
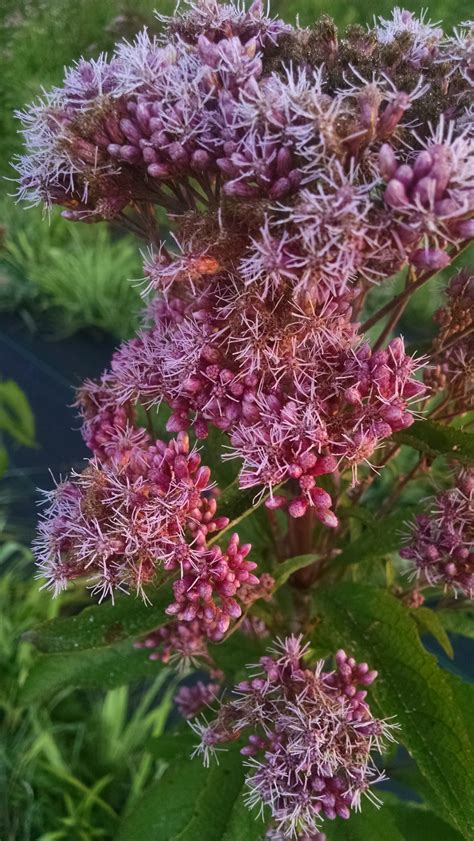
[440,543]
[191,700]
[452,368]
[310,737]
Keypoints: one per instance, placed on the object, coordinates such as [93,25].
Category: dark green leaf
[394,821]
[435,439]
[283,571]
[371,824]
[415,822]
[173,744]
[238,651]
[458,622]
[372,545]
[103,668]
[376,627]
[430,623]
[243,824]
[193,803]
[16,416]
[464,694]
[103,624]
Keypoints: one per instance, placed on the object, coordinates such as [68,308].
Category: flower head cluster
[146,507]
[432,197]
[191,700]
[183,643]
[298,167]
[117,519]
[312,734]
[461,51]
[421,32]
[441,543]
[294,386]
[452,369]
[235,94]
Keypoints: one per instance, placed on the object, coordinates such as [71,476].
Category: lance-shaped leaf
[435,439]
[395,821]
[430,623]
[103,624]
[104,668]
[284,570]
[458,622]
[193,803]
[376,627]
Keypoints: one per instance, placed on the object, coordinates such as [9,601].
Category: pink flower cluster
[432,197]
[298,392]
[182,642]
[298,167]
[452,356]
[311,737]
[191,700]
[233,96]
[440,544]
[145,508]
[117,519]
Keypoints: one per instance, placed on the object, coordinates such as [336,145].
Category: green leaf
[464,694]
[16,416]
[104,668]
[173,744]
[243,824]
[434,439]
[374,544]
[458,622]
[430,623]
[376,627]
[237,652]
[394,821]
[193,803]
[371,824]
[415,822]
[283,571]
[103,624]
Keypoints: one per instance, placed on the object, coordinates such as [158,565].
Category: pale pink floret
[311,738]
[441,542]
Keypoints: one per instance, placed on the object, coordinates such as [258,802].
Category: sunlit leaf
[103,624]
[193,803]
[376,627]
[435,439]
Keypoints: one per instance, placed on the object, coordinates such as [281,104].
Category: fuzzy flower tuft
[440,543]
[311,735]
